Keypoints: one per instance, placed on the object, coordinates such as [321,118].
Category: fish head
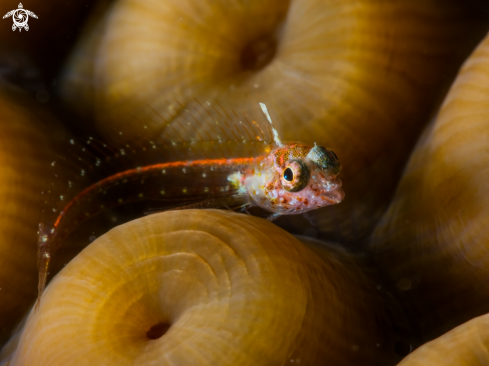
[295,178]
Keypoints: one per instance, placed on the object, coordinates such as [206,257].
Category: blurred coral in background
[399,263]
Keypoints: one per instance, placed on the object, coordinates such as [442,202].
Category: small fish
[285,178]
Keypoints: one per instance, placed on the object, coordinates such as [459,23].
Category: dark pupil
[288,175]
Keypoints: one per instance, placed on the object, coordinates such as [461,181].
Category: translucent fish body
[282,178]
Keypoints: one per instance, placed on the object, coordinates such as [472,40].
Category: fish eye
[295,176]
[288,175]
[332,152]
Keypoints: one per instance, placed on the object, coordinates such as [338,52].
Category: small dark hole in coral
[258,53]
[402,348]
[157,331]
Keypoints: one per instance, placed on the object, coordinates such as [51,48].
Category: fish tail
[44,252]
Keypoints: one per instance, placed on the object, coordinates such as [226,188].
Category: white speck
[162,192]
[97,162]
[163,171]
[140,195]
[61,198]
[54,210]
[184,190]
[46,255]
[184,170]
[53,163]
[208,103]
[70,184]
[123,152]
[92,238]
[256,86]
[120,133]
[145,127]
[204,175]
[72,142]
[206,189]
[82,172]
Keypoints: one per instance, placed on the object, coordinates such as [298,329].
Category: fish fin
[194,120]
[274,216]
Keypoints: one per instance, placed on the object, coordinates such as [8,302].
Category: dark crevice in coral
[157,330]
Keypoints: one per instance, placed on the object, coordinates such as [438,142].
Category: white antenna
[275,133]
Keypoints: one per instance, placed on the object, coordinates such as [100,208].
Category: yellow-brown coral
[434,238]
[206,287]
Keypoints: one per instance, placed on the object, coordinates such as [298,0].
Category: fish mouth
[335,196]
[334,193]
